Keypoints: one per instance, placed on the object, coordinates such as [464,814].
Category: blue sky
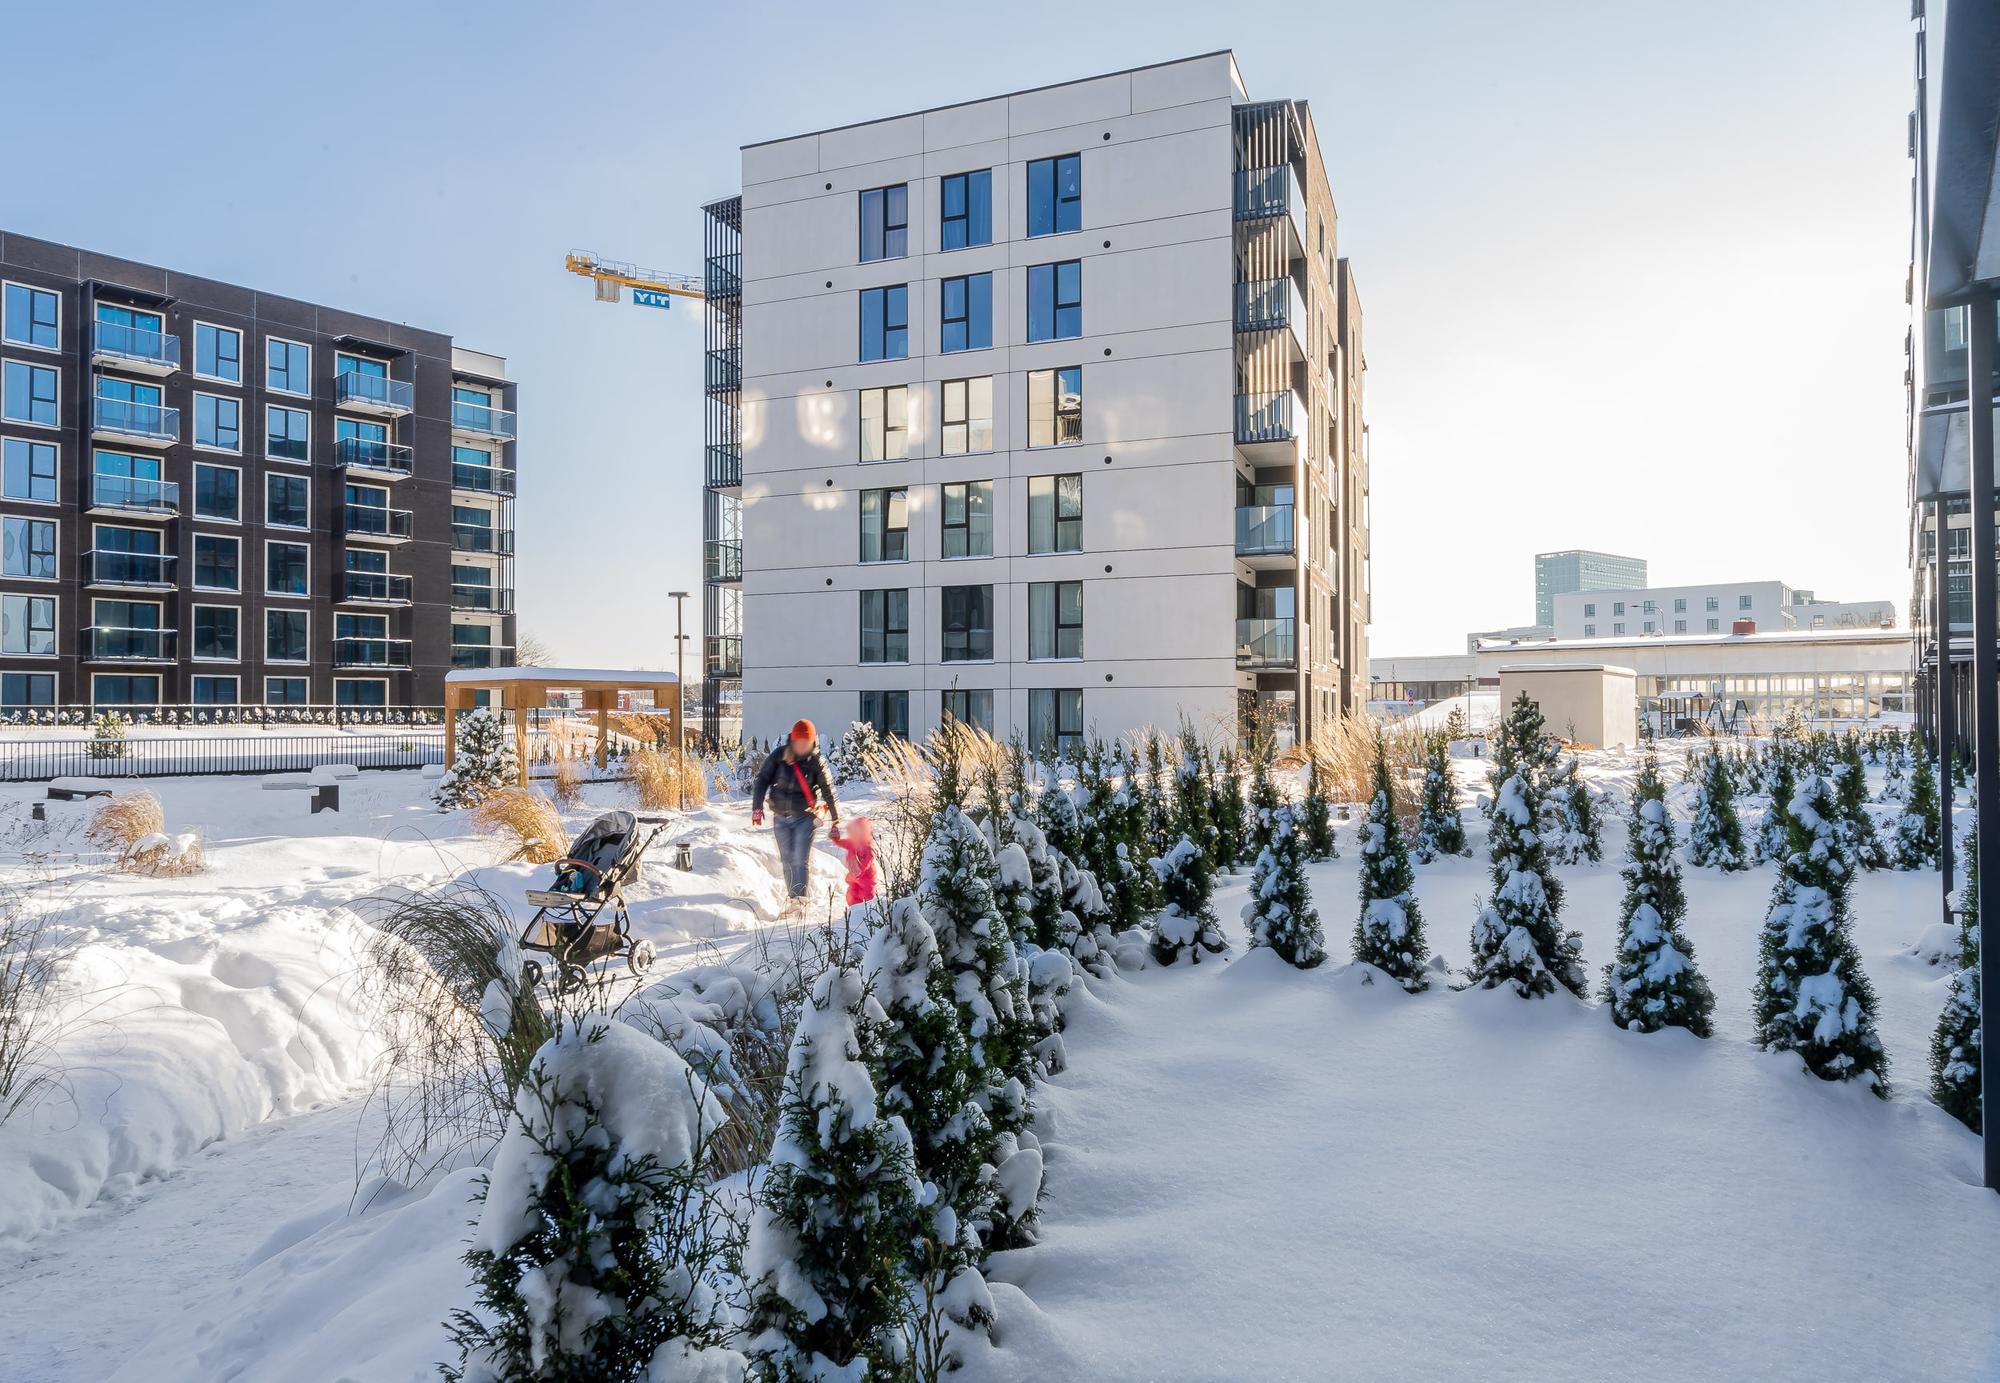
[1633,274]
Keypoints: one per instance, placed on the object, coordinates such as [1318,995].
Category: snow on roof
[1773,636]
[1611,668]
[559,676]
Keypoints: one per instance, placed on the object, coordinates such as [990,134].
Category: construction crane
[650,287]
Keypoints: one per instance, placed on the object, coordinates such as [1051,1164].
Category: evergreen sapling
[1851,799]
[1389,933]
[1186,928]
[1920,828]
[1316,818]
[483,762]
[1715,836]
[1440,829]
[1280,913]
[1653,983]
[1957,1043]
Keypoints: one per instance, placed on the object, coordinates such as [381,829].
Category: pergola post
[520,732]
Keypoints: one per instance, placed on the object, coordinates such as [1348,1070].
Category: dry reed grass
[526,819]
[1346,758]
[566,780]
[125,820]
[665,781]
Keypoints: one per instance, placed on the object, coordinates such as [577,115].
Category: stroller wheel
[572,977]
[531,975]
[640,958]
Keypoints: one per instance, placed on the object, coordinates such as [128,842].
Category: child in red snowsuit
[858,840]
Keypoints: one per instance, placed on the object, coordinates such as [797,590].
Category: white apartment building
[1713,608]
[1049,417]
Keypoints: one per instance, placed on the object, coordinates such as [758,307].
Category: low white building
[1710,608]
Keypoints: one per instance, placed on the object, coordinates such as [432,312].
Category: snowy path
[1258,1173]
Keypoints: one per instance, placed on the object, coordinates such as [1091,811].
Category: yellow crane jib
[650,287]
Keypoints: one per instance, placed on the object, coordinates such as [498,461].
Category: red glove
[756,818]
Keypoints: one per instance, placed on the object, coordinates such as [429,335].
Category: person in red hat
[795,780]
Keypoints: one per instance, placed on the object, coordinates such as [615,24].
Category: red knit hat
[804,731]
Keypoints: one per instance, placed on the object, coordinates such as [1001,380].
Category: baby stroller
[590,878]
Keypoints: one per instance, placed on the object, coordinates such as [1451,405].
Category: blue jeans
[795,840]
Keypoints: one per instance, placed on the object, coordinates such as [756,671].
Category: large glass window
[885,626]
[287,366]
[965,209]
[1055,407]
[360,691]
[885,423]
[284,636]
[887,711]
[1055,300]
[966,512]
[218,562]
[285,568]
[967,418]
[124,689]
[1055,514]
[885,322]
[287,433]
[284,691]
[974,708]
[966,616]
[19,689]
[28,625]
[218,492]
[215,630]
[28,548]
[212,691]
[1055,194]
[31,317]
[29,393]
[1055,619]
[885,525]
[1055,718]
[218,352]
[885,222]
[28,470]
[965,307]
[217,423]
[287,501]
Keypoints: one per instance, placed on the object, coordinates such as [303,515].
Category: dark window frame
[889,713]
[884,607]
[884,545]
[1046,281]
[974,332]
[963,527]
[964,220]
[1060,523]
[1058,414]
[963,644]
[1061,625]
[890,306]
[233,652]
[30,452]
[215,543]
[888,231]
[1059,206]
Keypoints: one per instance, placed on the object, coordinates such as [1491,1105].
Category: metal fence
[36,760]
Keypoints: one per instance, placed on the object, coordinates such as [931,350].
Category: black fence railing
[36,760]
[197,718]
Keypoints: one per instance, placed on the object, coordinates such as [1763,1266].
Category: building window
[885,626]
[124,689]
[1680,605]
[1680,626]
[966,615]
[345,364]
[1743,601]
[1589,609]
[287,433]
[1711,603]
[1055,301]
[1055,718]
[1617,629]
[287,366]
[885,423]
[967,416]
[360,691]
[28,625]
[885,322]
[284,636]
[284,691]
[20,689]
[1055,194]
[1055,514]
[287,501]
[885,222]
[217,423]
[218,352]
[28,549]
[1590,631]
[965,307]
[974,708]
[215,628]
[1647,607]
[31,317]
[29,393]
[1648,628]
[217,562]
[885,525]
[1055,620]
[28,470]
[213,691]
[1055,407]
[965,215]
[218,492]
[967,513]
[887,711]
[1617,607]
[1714,626]
[285,569]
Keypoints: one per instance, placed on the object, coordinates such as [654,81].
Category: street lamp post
[680,698]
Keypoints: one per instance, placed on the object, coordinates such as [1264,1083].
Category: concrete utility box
[1589,703]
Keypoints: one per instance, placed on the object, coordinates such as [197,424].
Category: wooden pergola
[521,689]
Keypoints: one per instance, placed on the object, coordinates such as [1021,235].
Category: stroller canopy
[609,845]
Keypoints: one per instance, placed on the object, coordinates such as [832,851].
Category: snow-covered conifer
[1103,839]
[1316,835]
[1186,927]
[1919,829]
[1851,800]
[1653,982]
[1895,776]
[1264,800]
[1571,819]
[483,761]
[1775,834]
[1280,912]
[1957,1043]
[1193,817]
[1159,800]
[1129,800]
[1440,830]
[1715,836]
[1812,995]
[1389,933]
[1226,809]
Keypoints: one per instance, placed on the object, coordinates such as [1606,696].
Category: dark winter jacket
[780,781]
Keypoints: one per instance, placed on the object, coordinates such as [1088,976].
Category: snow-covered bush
[1919,828]
[107,736]
[1812,996]
[1957,1042]
[1574,836]
[1851,801]
[1103,840]
[1440,831]
[1316,833]
[847,758]
[1653,982]
[1389,933]
[1130,822]
[1715,836]
[1280,912]
[1186,927]
[1193,817]
[484,761]
[1775,833]
[1264,801]
[596,1250]
[1895,783]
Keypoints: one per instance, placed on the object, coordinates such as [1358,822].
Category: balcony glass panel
[1266,643]
[1263,530]
[137,343]
[352,387]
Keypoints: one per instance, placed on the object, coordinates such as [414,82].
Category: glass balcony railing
[488,600]
[107,568]
[371,652]
[482,421]
[1267,643]
[374,521]
[725,467]
[1268,304]
[1267,192]
[1268,417]
[112,643]
[722,561]
[1264,530]
[138,345]
[480,655]
[135,494]
[353,389]
[478,537]
[377,585]
[725,370]
[152,421]
[484,480]
[723,655]
[365,453]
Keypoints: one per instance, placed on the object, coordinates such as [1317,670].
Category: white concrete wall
[1594,706]
[1768,605]
[1158,385]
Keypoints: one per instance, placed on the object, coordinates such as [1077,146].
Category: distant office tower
[1557,573]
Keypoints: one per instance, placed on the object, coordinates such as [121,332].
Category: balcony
[150,570]
[479,420]
[481,654]
[722,561]
[365,456]
[485,600]
[478,537]
[133,497]
[376,524]
[724,371]
[1264,535]
[722,655]
[724,276]
[121,420]
[134,350]
[481,480]
[724,467]
[1273,305]
[371,652]
[376,394]
[1274,194]
[1267,643]
[1267,426]
[375,588]
[111,644]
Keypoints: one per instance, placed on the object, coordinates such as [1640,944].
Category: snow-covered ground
[1253,1173]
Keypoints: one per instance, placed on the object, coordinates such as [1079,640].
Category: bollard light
[684,856]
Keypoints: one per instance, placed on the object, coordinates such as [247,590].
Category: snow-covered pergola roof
[519,689]
[565,677]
